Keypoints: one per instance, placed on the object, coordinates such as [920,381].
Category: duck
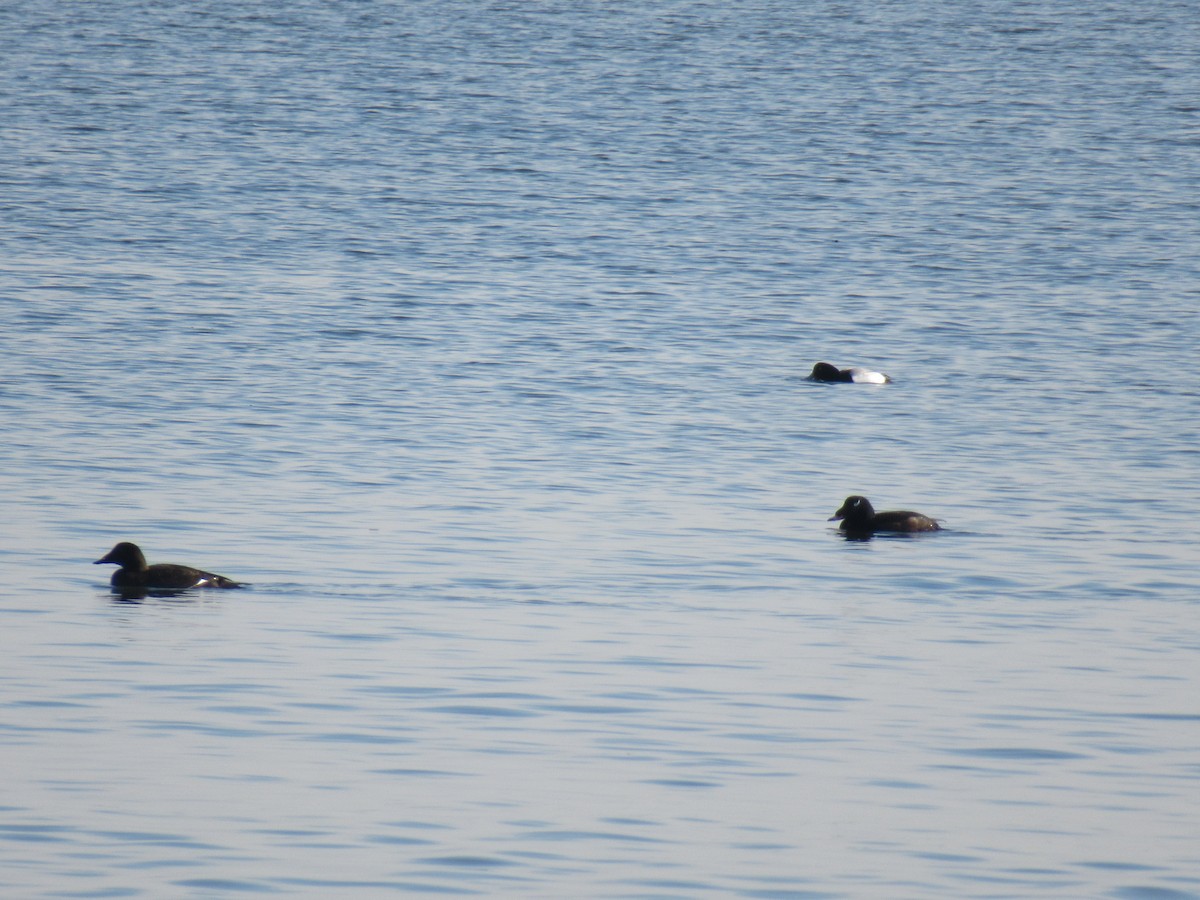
[827,372]
[135,575]
[859,517]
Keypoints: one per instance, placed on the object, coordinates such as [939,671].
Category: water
[474,335]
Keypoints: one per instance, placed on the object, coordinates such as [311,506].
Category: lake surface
[475,337]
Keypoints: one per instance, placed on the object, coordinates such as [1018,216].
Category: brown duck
[135,575]
[859,517]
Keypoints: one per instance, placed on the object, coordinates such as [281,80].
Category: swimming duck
[135,575]
[859,517]
[823,371]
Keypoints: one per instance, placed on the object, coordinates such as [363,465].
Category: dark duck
[859,518]
[827,372]
[134,575]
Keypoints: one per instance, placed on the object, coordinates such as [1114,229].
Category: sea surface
[474,337]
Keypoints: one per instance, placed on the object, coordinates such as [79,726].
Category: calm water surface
[475,335]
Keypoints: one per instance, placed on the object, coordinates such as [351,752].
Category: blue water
[475,335]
